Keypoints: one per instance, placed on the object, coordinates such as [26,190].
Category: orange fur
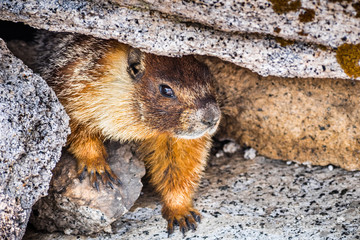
[175,168]
[88,148]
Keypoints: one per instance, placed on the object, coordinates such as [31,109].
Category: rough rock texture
[313,121]
[306,120]
[298,20]
[33,129]
[247,33]
[255,199]
[78,208]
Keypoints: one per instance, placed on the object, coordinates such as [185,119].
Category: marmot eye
[166,91]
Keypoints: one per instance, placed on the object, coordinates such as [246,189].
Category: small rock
[231,147]
[219,154]
[76,207]
[250,153]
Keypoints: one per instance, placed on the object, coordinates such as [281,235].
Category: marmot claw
[186,222]
[107,177]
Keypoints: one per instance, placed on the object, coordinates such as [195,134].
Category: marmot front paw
[186,219]
[99,168]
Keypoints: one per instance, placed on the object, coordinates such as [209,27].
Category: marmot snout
[113,91]
[198,122]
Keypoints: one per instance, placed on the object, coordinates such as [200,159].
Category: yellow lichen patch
[307,15]
[284,42]
[284,6]
[348,56]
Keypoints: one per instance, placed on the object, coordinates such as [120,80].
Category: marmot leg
[176,166]
[89,150]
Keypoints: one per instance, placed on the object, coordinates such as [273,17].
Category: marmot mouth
[197,134]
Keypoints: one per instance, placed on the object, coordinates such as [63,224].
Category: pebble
[231,147]
[250,154]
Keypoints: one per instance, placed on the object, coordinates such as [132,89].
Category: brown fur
[182,162]
[112,91]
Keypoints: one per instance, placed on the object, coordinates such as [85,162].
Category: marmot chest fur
[113,91]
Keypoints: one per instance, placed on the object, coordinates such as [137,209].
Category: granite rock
[313,121]
[254,199]
[254,35]
[33,129]
[302,21]
[76,207]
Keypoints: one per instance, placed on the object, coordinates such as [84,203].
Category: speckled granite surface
[256,199]
[251,45]
[304,20]
[33,130]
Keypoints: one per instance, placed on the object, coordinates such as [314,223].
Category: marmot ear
[136,67]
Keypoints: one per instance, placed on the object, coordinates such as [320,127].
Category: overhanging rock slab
[245,35]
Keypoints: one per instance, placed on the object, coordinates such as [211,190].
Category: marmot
[113,91]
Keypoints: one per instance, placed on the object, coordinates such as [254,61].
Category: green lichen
[348,56]
[285,6]
[307,16]
[284,42]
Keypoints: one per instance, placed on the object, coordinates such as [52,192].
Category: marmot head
[174,94]
[127,94]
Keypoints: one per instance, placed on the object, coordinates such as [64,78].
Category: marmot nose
[211,116]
